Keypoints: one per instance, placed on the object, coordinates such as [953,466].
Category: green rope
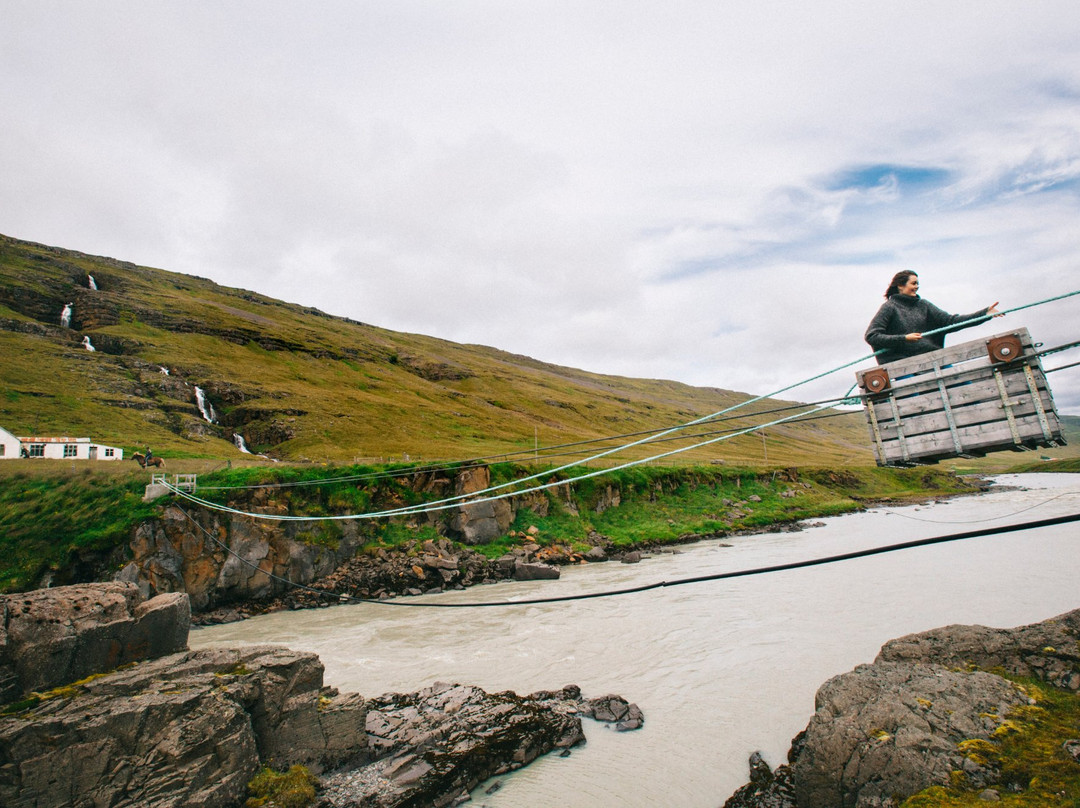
[473,498]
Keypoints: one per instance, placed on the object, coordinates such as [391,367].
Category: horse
[140,458]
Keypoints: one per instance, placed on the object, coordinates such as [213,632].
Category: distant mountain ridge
[299,384]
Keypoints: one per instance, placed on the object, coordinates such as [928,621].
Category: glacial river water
[720,668]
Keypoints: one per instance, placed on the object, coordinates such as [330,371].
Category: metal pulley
[876,380]
[1004,348]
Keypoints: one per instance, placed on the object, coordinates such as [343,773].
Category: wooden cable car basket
[977,397]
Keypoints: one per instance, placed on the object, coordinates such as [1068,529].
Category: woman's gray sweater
[902,314]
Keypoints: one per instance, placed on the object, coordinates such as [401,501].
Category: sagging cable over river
[794,565]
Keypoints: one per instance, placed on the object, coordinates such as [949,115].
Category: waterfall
[91,283]
[86,343]
[205,407]
[164,370]
[65,316]
[238,439]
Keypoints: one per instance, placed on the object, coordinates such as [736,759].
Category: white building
[9,445]
[13,448]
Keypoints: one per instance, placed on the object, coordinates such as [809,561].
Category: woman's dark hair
[898,280]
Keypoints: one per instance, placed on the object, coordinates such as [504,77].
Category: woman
[897,328]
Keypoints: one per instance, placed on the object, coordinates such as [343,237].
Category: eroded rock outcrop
[1046,651]
[222,560]
[893,728]
[185,551]
[50,637]
[890,729]
[188,729]
[479,523]
[434,746]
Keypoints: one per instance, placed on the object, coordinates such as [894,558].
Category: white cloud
[637,189]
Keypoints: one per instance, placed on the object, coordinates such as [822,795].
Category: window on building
[3,449]
[110,452]
[37,449]
[71,450]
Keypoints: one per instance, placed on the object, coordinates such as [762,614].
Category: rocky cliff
[910,720]
[150,725]
[224,560]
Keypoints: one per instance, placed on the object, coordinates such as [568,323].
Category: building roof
[54,440]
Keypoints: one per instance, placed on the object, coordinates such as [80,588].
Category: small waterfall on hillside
[91,282]
[164,370]
[238,439]
[205,407]
[86,343]
[65,316]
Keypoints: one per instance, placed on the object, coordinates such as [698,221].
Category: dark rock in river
[614,710]
[434,746]
[529,571]
[890,729]
[766,789]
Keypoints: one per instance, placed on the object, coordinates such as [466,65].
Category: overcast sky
[713,192]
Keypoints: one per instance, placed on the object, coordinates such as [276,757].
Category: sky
[712,192]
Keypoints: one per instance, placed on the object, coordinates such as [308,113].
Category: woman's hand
[914,336]
[992,310]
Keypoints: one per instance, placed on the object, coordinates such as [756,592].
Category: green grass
[64,522]
[294,788]
[60,522]
[1033,770]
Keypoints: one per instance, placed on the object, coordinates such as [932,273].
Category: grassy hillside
[300,385]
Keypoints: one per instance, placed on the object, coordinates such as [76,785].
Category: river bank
[80,526]
[235,565]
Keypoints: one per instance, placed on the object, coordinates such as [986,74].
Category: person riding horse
[148,459]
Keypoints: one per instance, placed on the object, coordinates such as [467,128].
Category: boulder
[614,710]
[49,637]
[893,728]
[481,522]
[189,729]
[434,746]
[890,729]
[532,571]
[1049,650]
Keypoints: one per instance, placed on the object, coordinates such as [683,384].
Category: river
[719,668]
